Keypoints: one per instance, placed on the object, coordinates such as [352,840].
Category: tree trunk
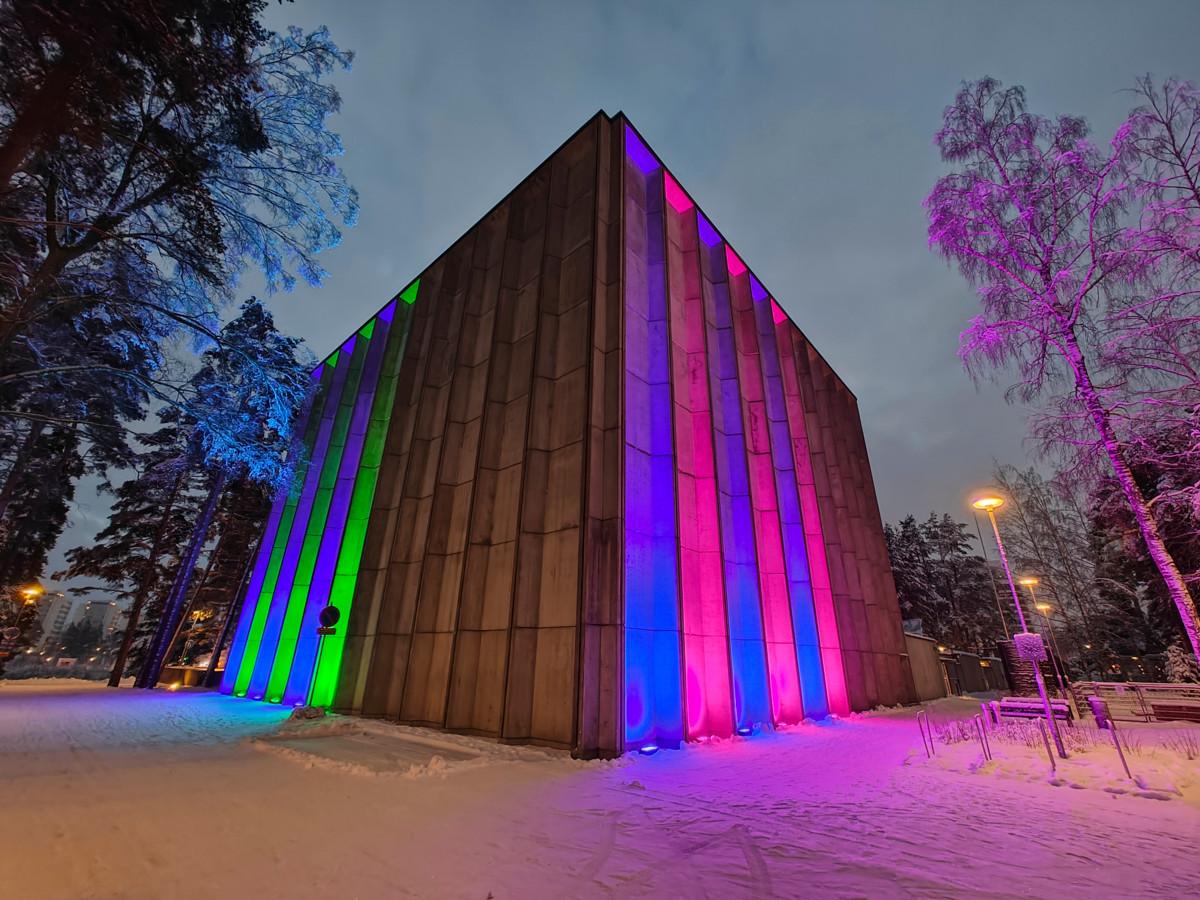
[1162,558]
[211,671]
[18,465]
[135,610]
[173,609]
[192,596]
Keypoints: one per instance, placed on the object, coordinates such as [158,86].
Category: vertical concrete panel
[442,580]
[601,665]
[541,695]
[369,667]
[386,687]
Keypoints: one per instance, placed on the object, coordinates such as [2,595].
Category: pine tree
[247,393]
[37,511]
[940,582]
[1181,664]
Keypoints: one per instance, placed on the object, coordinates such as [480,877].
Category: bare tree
[1039,220]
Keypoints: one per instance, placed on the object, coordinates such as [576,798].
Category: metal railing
[1135,701]
[926,732]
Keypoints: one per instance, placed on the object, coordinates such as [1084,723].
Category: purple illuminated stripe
[291,556]
[335,524]
[747,651]
[653,693]
[804,623]
[638,153]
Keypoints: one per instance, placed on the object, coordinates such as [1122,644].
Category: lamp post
[1043,609]
[989,503]
[991,577]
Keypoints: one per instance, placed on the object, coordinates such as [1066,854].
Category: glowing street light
[989,502]
[1044,608]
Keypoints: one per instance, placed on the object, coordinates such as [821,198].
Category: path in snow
[133,794]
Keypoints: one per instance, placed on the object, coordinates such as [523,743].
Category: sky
[803,130]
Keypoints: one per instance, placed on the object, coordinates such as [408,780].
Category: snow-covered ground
[129,794]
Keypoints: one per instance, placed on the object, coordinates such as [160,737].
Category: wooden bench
[1175,712]
[1032,708]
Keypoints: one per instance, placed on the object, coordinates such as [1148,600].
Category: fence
[1136,701]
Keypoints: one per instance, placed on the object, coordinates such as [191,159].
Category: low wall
[993,673]
[926,667]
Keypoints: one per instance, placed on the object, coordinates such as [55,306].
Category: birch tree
[1047,227]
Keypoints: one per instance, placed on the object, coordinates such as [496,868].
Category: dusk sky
[803,130]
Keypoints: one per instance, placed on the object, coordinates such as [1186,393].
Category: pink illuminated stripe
[786,702]
[777,314]
[676,196]
[733,262]
[707,698]
[814,537]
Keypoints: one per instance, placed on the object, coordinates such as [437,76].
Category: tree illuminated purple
[1045,224]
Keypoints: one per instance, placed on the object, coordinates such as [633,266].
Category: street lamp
[1044,609]
[987,563]
[990,502]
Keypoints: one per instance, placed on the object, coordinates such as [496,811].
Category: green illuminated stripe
[298,595]
[350,555]
[254,636]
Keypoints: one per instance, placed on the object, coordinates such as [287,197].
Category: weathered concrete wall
[468,607]
[924,662]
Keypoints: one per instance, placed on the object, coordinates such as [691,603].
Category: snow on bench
[1032,708]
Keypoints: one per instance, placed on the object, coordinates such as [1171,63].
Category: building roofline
[504,199]
[645,143]
[619,116]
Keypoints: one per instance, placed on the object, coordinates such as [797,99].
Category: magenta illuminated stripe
[295,540]
[831,648]
[707,700]
[784,679]
[305,656]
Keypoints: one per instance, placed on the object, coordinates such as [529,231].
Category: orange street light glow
[1043,607]
[988,502]
[1028,581]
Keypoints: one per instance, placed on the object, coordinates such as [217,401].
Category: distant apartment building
[57,612]
[105,615]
